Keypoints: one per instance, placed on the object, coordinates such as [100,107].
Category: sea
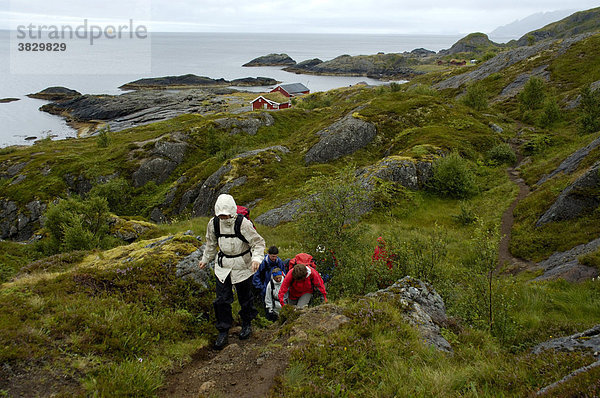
[216,55]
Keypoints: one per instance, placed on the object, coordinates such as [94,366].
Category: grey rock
[159,243]
[18,179]
[588,340]
[174,151]
[344,137]
[571,163]
[285,213]
[576,199]
[496,128]
[566,265]
[18,224]
[13,170]
[422,52]
[303,66]
[78,184]
[157,216]
[421,306]
[517,85]
[577,101]
[247,124]
[157,170]
[409,173]
[188,268]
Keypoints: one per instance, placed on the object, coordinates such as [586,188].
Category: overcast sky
[291,16]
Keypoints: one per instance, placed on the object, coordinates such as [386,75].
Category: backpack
[237,229]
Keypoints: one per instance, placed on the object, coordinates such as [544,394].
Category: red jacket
[381,253]
[299,288]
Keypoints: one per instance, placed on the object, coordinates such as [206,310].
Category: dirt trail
[504,256]
[245,368]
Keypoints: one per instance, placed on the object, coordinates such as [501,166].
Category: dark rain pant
[224,300]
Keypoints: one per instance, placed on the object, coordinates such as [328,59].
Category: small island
[55,94]
[7,100]
[193,81]
[272,60]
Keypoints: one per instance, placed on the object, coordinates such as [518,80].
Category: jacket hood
[225,205]
[303,258]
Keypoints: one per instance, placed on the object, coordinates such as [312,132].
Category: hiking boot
[246,332]
[221,341]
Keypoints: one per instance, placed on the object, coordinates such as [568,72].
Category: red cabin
[272,100]
[292,89]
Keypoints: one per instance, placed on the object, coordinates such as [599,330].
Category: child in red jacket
[301,282]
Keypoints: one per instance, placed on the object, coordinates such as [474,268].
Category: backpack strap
[237,229]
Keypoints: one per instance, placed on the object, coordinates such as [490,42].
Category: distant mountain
[519,27]
[580,22]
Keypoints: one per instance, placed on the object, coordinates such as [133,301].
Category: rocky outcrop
[166,156]
[422,52]
[571,163]
[188,268]
[577,101]
[55,94]
[304,66]
[17,223]
[279,215]
[202,196]
[504,60]
[129,230]
[342,138]
[272,60]
[137,108]
[248,124]
[408,172]
[421,306]
[192,81]
[581,197]
[375,66]
[517,85]
[474,42]
[565,265]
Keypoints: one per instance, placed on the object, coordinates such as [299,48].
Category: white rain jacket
[239,267]
[272,300]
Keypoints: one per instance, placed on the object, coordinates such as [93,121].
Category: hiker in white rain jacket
[272,304]
[240,251]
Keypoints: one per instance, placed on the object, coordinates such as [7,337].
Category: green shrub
[533,94]
[452,178]
[118,195]
[466,216]
[551,113]
[394,87]
[75,224]
[589,121]
[487,56]
[501,154]
[538,143]
[103,139]
[591,259]
[476,97]
[315,100]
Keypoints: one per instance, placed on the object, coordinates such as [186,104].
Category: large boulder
[188,268]
[421,306]
[408,172]
[248,124]
[342,138]
[165,157]
[279,215]
[581,197]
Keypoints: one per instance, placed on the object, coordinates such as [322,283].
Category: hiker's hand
[325,300]
[255,265]
[201,265]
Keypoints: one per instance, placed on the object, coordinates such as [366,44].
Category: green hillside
[92,302]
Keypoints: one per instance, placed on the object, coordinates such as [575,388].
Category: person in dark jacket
[261,278]
[301,282]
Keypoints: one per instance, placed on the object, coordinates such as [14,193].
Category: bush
[589,121]
[118,195]
[103,139]
[466,216]
[476,97]
[75,224]
[551,114]
[452,178]
[533,94]
[314,101]
[394,87]
[501,154]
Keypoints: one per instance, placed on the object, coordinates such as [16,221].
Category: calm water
[214,55]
